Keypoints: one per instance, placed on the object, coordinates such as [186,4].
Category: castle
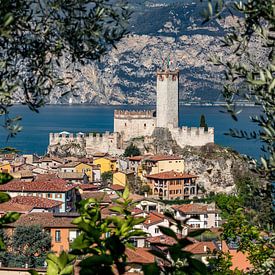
[141,124]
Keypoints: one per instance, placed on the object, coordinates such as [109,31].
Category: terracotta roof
[57,159]
[117,187]
[163,157]
[200,247]
[14,207]
[88,186]
[70,175]
[139,255]
[46,159]
[50,185]
[153,218]
[239,259]
[136,158]
[161,239]
[35,202]
[195,208]
[171,175]
[45,219]
[70,164]
[26,174]
[101,197]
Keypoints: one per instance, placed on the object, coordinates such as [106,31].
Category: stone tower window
[144,125]
[125,124]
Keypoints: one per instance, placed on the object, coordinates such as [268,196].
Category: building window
[144,125]
[125,124]
[156,230]
[49,195]
[205,215]
[57,236]
[58,196]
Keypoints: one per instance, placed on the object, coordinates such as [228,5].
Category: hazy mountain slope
[158,29]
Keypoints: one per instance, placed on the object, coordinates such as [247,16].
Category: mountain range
[158,31]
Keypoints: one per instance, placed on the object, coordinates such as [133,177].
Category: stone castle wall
[132,124]
[191,136]
[94,143]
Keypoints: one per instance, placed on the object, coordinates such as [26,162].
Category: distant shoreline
[208,104]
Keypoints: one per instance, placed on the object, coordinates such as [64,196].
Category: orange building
[62,231]
[171,185]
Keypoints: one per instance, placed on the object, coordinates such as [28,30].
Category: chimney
[205,248]
[145,194]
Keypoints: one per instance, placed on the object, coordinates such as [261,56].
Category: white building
[198,215]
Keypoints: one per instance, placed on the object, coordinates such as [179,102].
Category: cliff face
[159,31]
[216,167]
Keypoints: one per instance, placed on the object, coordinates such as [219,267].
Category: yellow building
[123,178]
[159,164]
[106,164]
[5,167]
[85,168]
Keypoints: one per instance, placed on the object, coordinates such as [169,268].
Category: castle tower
[167,98]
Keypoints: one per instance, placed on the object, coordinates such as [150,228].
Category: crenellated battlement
[125,114]
[192,136]
[65,137]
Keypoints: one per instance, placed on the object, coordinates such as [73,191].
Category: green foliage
[131,151]
[60,265]
[28,245]
[179,260]
[203,123]
[250,240]
[41,39]
[107,176]
[103,241]
[8,217]
[256,75]
[220,263]
[4,178]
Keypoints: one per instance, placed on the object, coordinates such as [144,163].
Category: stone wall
[93,143]
[193,136]
[132,124]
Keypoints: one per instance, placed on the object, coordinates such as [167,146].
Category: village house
[172,185]
[62,231]
[5,167]
[162,163]
[123,178]
[106,164]
[50,188]
[198,215]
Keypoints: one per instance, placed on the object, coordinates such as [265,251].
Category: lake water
[86,118]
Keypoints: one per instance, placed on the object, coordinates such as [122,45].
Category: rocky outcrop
[67,150]
[216,167]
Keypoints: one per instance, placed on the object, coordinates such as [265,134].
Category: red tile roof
[50,185]
[88,186]
[45,219]
[35,202]
[14,207]
[117,187]
[136,158]
[239,259]
[139,255]
[101,197]
[153,218]
[171,175]
[195,208]
[200,247]
[161,239]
